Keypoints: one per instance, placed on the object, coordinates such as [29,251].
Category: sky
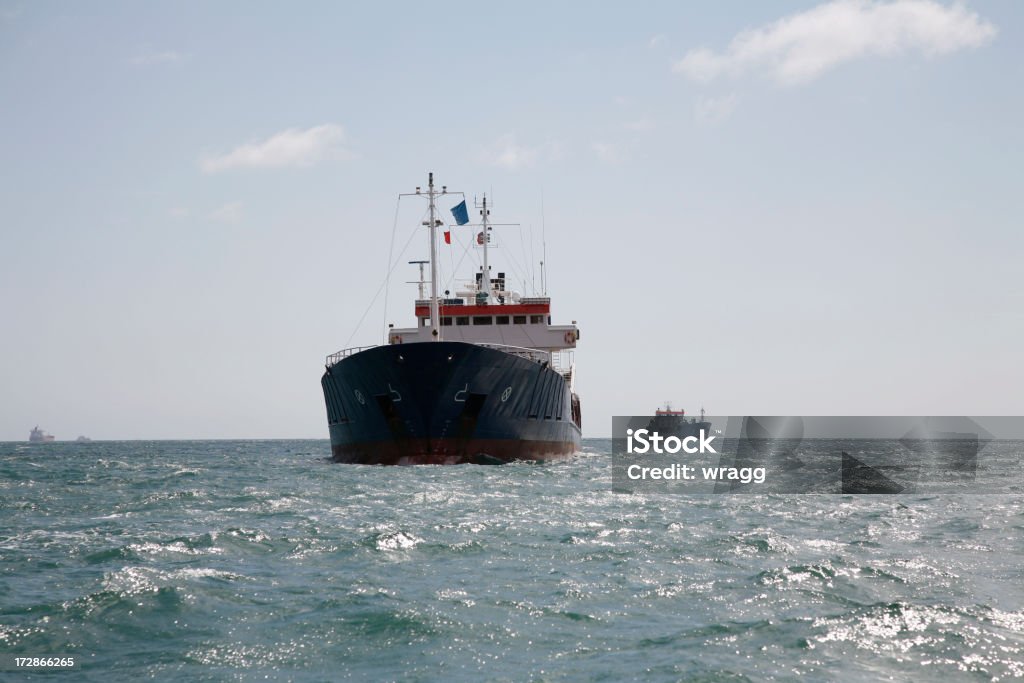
[786,208]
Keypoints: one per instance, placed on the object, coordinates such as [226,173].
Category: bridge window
[446,321]
[537,319]
[481,320]
[462,320]
[501,320]
[519,320]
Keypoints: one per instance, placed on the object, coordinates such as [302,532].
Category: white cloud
[511,155]
[639,125]
[229,213]
[292,147]
[506,152]
[165,57]
[607,152]
[714,109]
[799,48]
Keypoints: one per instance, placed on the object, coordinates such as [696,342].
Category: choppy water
[252,559]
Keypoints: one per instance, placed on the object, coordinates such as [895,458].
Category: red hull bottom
[451,451]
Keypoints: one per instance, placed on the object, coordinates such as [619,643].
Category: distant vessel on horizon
[39,436]
[83,439]
[667,421]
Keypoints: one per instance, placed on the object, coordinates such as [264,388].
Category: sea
[264,560]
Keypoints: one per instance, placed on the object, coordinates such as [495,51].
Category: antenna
[533,265]
[544,245]
[422,281]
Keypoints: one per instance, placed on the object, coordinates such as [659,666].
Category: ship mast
[485,281]
[432,223]
[435,308]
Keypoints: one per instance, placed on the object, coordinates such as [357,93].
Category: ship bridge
[510,320]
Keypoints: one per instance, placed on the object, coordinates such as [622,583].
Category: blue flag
[460,213]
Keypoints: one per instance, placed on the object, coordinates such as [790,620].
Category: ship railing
[345,353]
[555,360]
[562,362]
[521,351]
[565,372]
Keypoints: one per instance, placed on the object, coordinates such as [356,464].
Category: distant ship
[39,436]
[668,422]
[481,378]
[83,439]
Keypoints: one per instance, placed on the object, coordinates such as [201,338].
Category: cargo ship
[669,422]
[37,435]
[483,377]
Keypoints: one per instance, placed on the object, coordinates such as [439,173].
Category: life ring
[570,337]
[396,339]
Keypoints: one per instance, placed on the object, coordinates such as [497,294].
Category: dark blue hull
[447,403]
